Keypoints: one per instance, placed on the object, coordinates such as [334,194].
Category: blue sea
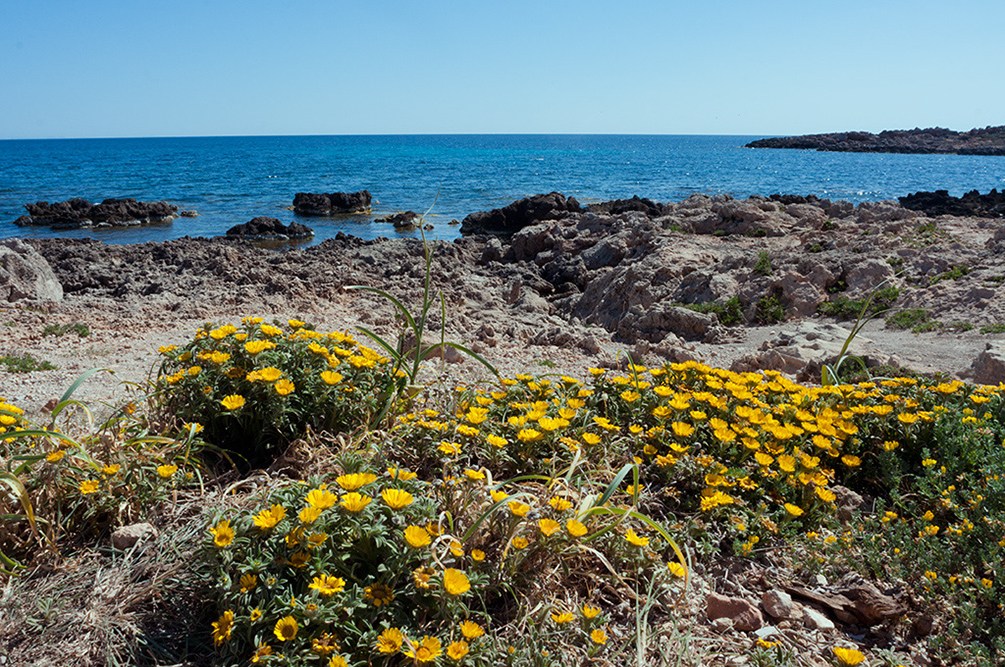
[230,180]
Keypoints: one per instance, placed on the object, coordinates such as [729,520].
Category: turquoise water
[230,180]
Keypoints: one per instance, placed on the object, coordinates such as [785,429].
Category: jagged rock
[320,204]
[406,220]
[654,325]
[126,537]
[846,501]
[805,346]
[24,274]
[743,613]
[270,228]
[816,620]
[618,206]
[79,212]
[989,366]
[514,217]
[778,604]
[940,202]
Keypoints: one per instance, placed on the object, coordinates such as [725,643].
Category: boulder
[406,220]
[514,217]
[79,212]
[270,228]
[989,366]
[126,537]
[25,274]
[320,204]
[636,203]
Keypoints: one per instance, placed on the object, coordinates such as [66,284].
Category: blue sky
[104,68]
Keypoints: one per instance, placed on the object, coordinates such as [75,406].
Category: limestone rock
[127,536]
[25,274]
[778,604]
[816,620]
[989,366]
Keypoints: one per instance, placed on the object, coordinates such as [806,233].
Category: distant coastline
[986,141]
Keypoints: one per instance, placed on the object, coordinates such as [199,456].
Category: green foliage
[78,328]
[24,363]
[814,247]
[843,308]
[996,328]
[257,388]
[895,261]
[769,309]
[954,273]
[909,318]
[729,312]
[829,225]
[763,264]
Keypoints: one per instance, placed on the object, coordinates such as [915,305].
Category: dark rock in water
[270,228]
[514,217]
[986,141]
[940,202]
[79,212]
[636,203]
[189,213]
[310,203]
[406,220]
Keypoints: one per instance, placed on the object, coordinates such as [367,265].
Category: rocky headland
[755,284]
[77,212]
[986,141]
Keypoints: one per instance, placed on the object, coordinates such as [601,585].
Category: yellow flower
[89,486]
[269,518]
[794,510]
[848,657]
[560,504]
[309,514]
[548,526]
[223,534]
[354,502]
[563,617]
[455,582]
[477,555]
[286,629]
[284,387]
[598,636]
[355,481]
[248,581]
[520,542]
[55,456]
[396,498]
[457,650]
[575,528]
[321,498]
[825,494]
[635,540]
[682,429]
[417,537]
[787,463]
[398,473]
[379,594]
[256,614]
[232,402]
[167,470]
[111,470]
[471,630]
[389,641]
[328,585]
[851,461]
[222,627]
[590,612]
[331,377]
[676,569]
[426,651]
[518,508]
[496,441]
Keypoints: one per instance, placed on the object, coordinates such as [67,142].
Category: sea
[230,180]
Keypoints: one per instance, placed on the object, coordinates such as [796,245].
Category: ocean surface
[230,180]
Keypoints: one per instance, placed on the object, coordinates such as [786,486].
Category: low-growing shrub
[769,309]
[909,318]
[954,273]
[763,264]
[729,312]
[256,388]
[78,328]
[996,328]
[24,363]
[844,308]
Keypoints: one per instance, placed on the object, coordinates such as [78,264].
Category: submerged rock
[79,212]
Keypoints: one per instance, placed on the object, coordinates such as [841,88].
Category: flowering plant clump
[258,386]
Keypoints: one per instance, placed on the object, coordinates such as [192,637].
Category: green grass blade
[80,380]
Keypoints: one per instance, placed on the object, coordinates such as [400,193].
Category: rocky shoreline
[766,283]
[979,141]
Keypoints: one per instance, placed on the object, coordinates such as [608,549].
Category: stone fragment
[816,620]
[989,366]
[778,604]
[127,536]
[744,614]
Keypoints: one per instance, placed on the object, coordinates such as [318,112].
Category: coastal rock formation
[986,141]
[765,276]
[271,229]
[335,203]
[111,212]
[24,274]
[514,217]
[940,202]
[406,220]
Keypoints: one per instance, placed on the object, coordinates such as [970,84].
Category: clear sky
[110,68]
